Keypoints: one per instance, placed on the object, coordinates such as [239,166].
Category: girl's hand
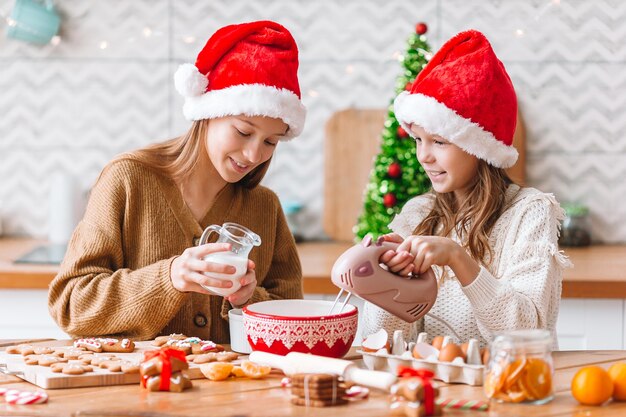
[398,262]
[186,271]
[430,250]
[248,284]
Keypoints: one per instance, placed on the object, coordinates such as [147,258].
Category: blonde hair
[176,158]
[473,219]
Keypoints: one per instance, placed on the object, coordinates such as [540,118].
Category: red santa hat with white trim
[245,69]
[465,95]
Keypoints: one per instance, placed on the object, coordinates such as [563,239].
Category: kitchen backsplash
[106,87]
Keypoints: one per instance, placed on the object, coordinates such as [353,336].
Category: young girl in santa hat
[132,267]
[492,244]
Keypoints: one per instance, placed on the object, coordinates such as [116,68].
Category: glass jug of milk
[241,240]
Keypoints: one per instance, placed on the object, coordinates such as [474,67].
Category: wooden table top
[266,397]
[599,271]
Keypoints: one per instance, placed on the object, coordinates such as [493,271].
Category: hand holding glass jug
[241,240]
[204,267]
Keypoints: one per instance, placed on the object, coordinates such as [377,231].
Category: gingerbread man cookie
[99,344]
[71,368]
[43,360]
[161,340]
[213,357]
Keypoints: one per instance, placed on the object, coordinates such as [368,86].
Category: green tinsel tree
[396,176]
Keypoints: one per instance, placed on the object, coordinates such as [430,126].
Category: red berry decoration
[394,170]
[421,28]
[390,200]
[401,132]
[408,86]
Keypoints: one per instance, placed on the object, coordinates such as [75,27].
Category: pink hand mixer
[358,272]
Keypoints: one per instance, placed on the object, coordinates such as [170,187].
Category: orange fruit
[617,372]
[537,380]
[592,385]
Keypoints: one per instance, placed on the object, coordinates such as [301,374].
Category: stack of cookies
[414,397]
[317,390]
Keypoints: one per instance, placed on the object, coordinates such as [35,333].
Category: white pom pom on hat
[189,82]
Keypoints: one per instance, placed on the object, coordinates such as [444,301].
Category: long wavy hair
[176,158]
[474,218]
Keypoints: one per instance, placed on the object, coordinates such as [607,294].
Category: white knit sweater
[521,289]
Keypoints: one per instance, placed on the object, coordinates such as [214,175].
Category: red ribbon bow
[425,375]
[166,365]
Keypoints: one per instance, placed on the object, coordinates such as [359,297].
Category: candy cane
[7,391]
[356,392]
[475,405]
[25,397]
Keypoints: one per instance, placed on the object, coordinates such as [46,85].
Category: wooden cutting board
[43,377]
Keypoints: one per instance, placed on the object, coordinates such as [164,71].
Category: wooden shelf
[599,271]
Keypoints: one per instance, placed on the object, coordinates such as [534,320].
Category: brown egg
[449,352]
[484,354]
[464,347]
[437,342]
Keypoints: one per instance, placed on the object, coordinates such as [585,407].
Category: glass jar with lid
[520,367]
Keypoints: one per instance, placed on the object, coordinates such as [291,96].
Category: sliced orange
[516,394]
[253,370]
[537,379]
[513,372]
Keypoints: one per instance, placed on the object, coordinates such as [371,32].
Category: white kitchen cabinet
[24,315]
[586,324]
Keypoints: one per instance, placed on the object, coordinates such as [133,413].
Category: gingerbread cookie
[213,357]
[17,349]
[178,382]
[99,344]
[69,352]
[194,345]
[71,368]
[162,340]
[129,367]
[155,366]
[88,358]
[91,344]
[43,360]
[162,370]
[117,345]
[317,390]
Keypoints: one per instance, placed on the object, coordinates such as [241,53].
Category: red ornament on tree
[394,170]
[408,86]
[401,132]
[421,28]
[389,200]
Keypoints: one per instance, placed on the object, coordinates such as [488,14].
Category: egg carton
[449,372]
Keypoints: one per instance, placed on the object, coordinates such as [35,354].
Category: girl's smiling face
[238,144]
[449,168]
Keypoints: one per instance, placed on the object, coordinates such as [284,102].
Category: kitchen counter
[266,397]
[599,271]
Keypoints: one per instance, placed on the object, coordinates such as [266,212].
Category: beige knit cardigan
[115,278]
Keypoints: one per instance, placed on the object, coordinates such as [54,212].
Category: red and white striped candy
[5,391]
[25,397]
[285,382]
[356,392]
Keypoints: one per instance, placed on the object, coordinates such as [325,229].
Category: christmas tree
[396,176]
